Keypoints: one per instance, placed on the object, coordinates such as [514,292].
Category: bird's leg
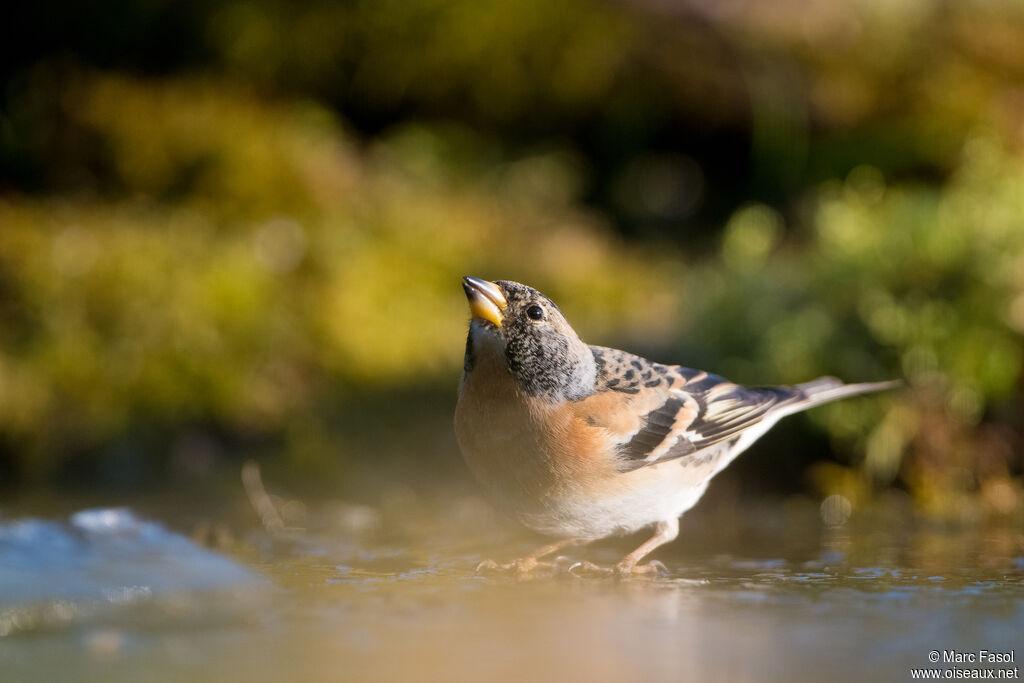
[664,532]
[526,564]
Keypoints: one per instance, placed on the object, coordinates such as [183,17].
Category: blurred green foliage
[260,265]
[243,222]
[901,280]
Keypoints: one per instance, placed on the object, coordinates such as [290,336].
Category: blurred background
[234,230]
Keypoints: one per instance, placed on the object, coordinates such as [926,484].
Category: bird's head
[531,336]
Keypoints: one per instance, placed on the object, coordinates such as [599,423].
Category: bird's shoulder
[626,373]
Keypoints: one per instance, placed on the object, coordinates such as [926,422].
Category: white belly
[653,494]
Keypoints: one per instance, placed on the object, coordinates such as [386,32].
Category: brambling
[581,442]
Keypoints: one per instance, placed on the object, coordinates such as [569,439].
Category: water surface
[389,592]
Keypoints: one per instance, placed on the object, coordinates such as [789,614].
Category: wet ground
[341,592]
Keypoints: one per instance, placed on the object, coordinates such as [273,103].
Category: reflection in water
[109,597]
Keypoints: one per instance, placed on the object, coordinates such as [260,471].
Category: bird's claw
[652,567]
[621,570]
[523,565]
[563,563]
[585,567]
[486,566]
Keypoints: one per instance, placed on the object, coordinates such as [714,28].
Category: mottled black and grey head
[540,349]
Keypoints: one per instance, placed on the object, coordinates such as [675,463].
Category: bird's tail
[826,389]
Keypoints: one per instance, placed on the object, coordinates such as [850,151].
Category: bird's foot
[622,569]
[652,567]
[588,568]
[521,566]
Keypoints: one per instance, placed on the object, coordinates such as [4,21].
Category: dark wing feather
[659,423]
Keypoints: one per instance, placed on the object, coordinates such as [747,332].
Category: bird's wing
[678,411]
[714,410]
[660,412]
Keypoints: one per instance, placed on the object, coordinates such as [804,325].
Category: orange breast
[526,452]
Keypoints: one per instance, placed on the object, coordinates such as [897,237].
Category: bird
[581,442]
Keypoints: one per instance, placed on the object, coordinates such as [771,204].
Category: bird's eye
[535,312]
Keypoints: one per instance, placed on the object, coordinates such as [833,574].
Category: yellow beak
[485,299]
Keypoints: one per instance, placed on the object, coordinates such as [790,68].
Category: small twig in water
[260,499]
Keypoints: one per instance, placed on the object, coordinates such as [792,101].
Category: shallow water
[390,593]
